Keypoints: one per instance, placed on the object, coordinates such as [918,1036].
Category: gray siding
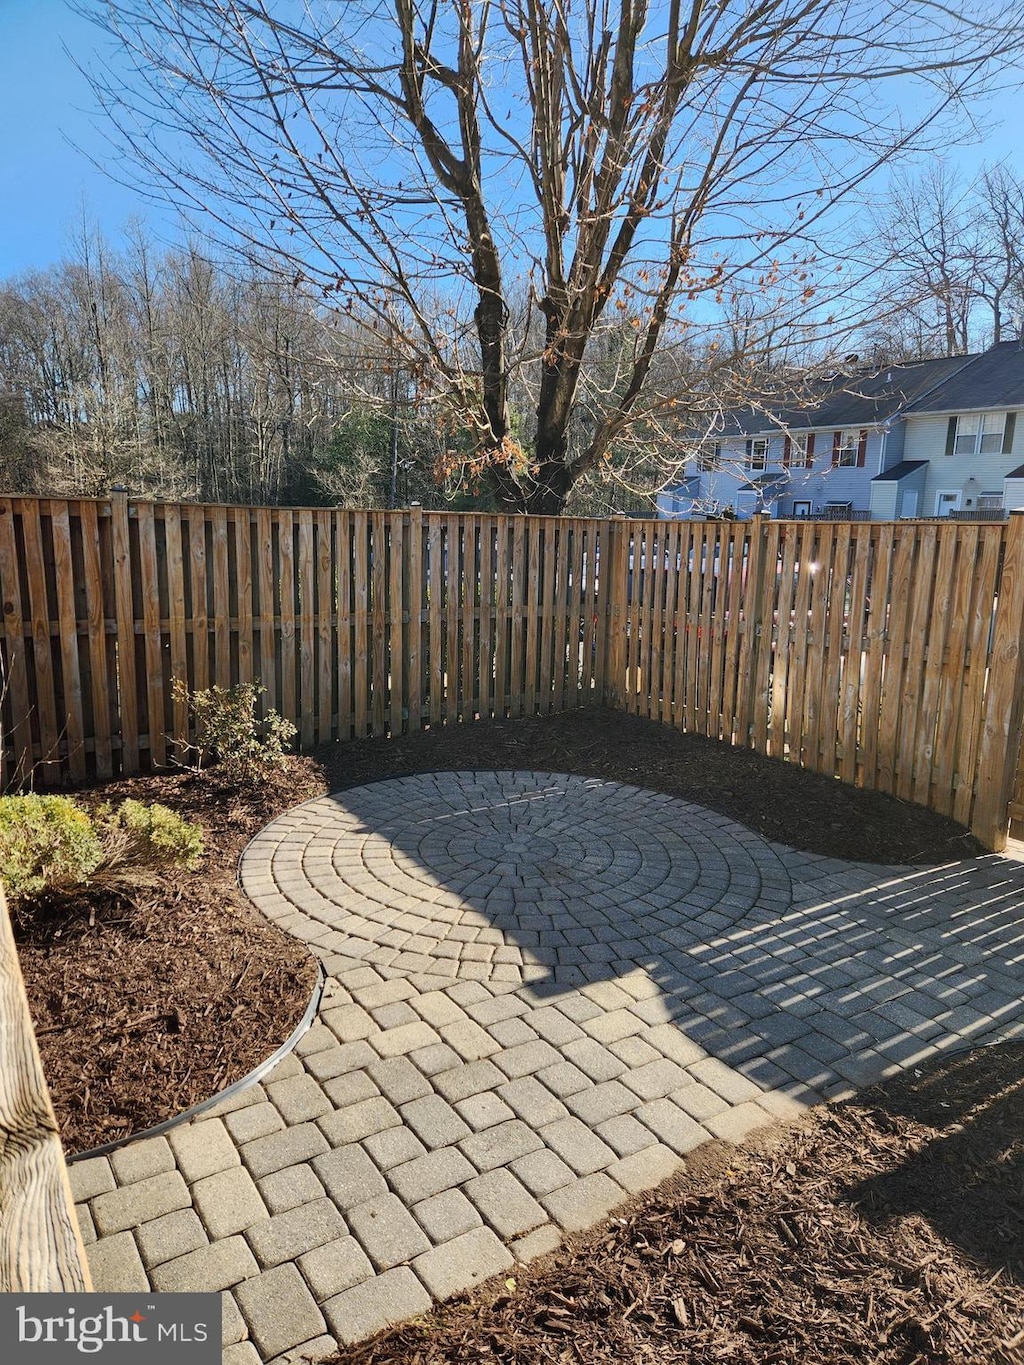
[926,440]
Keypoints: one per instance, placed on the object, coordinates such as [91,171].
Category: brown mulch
[149,1001]
[890,1230]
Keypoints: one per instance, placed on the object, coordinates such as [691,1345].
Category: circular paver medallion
[478,875]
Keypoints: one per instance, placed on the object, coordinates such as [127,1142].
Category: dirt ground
[888,1230]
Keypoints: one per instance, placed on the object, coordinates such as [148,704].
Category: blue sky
[46,185]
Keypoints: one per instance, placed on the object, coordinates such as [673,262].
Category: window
[849,448]
[978,433]
[757,454]
[709,457]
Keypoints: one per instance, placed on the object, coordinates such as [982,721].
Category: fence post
[611,610]
[1000,744]
[41,1247]
[751,642]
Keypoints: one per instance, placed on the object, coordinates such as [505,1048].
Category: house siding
[926,440]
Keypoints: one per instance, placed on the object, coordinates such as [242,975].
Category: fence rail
[886,654]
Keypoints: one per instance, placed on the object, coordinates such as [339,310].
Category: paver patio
[544,992]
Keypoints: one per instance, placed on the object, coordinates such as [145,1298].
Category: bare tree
[1000,268]
[627,158]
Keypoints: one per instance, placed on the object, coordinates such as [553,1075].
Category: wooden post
[613,589]
[41,1248]
[1004,702]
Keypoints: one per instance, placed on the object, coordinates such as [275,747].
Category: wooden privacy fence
[887,654]
[355,622]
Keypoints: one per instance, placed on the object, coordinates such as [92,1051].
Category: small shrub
[150,836]
[46,843]
[227,730]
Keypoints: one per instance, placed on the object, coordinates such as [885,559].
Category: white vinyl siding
[927,439]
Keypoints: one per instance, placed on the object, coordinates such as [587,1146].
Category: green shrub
[150,836]
[227,730]
[46,842]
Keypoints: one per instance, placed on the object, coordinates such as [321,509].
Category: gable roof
[867,398]
[994,379]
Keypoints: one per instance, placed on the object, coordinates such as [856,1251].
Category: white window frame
[758,457]
[709,460]
[849,445]
[979,433]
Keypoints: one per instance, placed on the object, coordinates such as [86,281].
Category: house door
[947,500]
[908,508]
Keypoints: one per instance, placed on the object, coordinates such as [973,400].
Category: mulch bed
[886,1230]
[149,1001]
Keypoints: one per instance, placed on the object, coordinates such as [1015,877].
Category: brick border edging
[235,1088]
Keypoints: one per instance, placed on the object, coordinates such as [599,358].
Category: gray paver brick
[298,1099]
[232,1324]
[724,1081]
[437,1008]
[505,1204]
[671,1042]
[484,1110]
[115,1265]
[94,1176]
[286,1189]
[368,1308]
[584,1202]
[624,1134]
[540,1242]
[287,1235]
[698,1101]
[387,1231]
[593,1059]
[737,1123]
[350,1088]
[460,1082]
[564,1079]
[532,1102]
[542,1171]
[175,1234]
[258,1120]
[675,1128]
[645,1169]
[349,1176]
[279,1309]
[509,1033]
[241,1353]
[469,1040]
[349,1023]
[500,1145]
[139,1202]
[430,1174]
[334,1267]
[219,1266]
[358,1121]
[393,1147]
[434,1121]
[317,1038]
[323,1347]
[462,1263]
[526,1058]
[578,1147]
[228,1202]
[553,1026]
[140,1160]
[405,1039]
[203,1148]
[436,1058]
[656,1079]
[446,1215]
[399,1080]
[86,1227]
[613,1027]
[601,1102]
